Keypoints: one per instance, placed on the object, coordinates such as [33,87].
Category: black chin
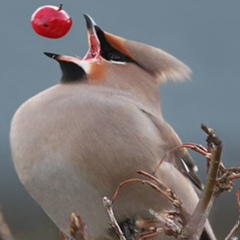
[71,72]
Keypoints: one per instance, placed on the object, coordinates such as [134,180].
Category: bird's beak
[94,43]
[60,58]
[94,50]
[53,55]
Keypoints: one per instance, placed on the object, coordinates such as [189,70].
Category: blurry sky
[203,34]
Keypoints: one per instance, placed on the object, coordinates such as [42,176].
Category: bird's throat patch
[98,73]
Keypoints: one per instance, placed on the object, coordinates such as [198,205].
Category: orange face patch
[98,72]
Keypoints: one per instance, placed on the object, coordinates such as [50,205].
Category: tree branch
[5,233]
[195,226]
[235,231]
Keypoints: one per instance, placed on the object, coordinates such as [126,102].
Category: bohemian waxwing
[75,142]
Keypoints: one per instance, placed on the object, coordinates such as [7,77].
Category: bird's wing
[190,168]
[181,157]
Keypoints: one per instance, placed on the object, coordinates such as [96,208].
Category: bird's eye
[115,57]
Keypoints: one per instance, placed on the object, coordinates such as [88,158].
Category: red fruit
[51,22]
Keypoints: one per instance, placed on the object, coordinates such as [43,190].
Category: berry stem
[60,7]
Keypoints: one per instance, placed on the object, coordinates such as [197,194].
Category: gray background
[204,34]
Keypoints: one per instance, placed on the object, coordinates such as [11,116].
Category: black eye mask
[108,52]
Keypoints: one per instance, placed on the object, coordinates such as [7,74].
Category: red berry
[51,22]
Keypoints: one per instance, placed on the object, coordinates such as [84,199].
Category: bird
[75,142]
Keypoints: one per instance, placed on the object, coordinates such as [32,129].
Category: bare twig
[161,188]
[179,223]
[165,191]
[171,197]
[78,229]
[151,227]
[195,226]
[170,227]
[5,233]
[195,147]
[235,231]
[63,236]
[108,205]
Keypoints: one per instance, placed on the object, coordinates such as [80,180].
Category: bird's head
[110,56]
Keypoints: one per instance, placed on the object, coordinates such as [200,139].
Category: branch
[77,228]
[5,233]
[195,147]
[178,223]
[195,226]
[166,224]
[108,205]
[235,231]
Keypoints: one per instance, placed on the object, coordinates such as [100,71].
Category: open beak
[94,43]
[94,51]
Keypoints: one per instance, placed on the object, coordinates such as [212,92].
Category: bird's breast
[73,145]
